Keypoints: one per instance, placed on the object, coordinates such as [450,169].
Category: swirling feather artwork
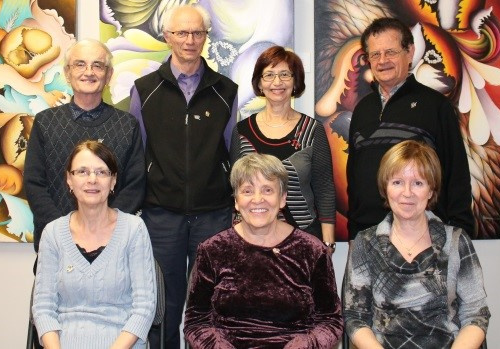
[33,39]
[457,52]
[240,32]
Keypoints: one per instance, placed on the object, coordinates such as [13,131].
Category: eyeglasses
[85,172]
[282,75]
[389,54]
[96,67]
[183,34]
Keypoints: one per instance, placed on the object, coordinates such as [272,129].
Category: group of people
[182,162]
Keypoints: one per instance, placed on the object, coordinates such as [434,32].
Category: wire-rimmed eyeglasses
[85,172]
[183,34]
[81,66]
[389,54]
[282,75]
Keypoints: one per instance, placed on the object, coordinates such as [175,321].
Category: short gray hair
[171,12]
[86,42]
[270,167]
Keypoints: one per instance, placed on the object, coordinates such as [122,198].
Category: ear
[167,36]
[283,200]
[109,74]
[66,73]
[68,181]
[113,182]
[411,51]
[430,194]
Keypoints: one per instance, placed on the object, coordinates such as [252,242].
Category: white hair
[84,42]
[171,12]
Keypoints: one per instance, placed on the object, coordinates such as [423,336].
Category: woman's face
[259,202]
[277,90]
[408,193]
[91,180]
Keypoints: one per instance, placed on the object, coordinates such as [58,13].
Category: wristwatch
[331,245]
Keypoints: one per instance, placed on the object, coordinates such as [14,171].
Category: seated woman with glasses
[95,283]
[296,139]
[262,283]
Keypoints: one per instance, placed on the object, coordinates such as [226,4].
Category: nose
[257,197]
[92,177]
[407,190]
[190,38]
[88,70]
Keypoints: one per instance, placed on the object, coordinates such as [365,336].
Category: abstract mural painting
[33,38]
[240,31]
[457,52]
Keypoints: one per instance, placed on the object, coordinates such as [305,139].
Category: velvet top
[247,296]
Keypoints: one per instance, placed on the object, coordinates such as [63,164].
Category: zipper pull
[187,118]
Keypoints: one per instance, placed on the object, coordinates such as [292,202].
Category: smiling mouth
[259,210]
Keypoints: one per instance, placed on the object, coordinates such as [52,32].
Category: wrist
[331,245]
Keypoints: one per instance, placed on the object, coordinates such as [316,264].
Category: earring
[112,192]
[71,191]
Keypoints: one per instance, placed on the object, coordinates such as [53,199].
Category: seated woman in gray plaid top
[412,281]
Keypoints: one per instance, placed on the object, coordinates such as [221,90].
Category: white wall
[16,260]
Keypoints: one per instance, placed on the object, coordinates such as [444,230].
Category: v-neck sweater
[90,304]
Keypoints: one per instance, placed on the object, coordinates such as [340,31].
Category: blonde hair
[404,153]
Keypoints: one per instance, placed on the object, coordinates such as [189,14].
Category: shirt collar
[391,93]
[92,114]
[177,73]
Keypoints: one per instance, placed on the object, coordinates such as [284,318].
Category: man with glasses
[57,130]
[398,109]
[184,109]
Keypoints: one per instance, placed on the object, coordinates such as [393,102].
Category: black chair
[160,303]
[31,341]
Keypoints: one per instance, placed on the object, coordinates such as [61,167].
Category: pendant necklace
[408,250]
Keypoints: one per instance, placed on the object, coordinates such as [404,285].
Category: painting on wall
[457,53]
[240,32]
[34,35]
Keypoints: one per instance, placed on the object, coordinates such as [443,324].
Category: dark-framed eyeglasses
[85,172]
[389,54]
[282,75]
[183,34]
[81,66]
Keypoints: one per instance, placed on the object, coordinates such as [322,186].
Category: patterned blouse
[422,304]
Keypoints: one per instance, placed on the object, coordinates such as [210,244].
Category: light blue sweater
[90,304]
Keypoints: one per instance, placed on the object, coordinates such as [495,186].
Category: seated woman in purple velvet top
[262,283]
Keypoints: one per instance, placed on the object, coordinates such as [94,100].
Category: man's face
[389,62]
[185,50]
[87,72]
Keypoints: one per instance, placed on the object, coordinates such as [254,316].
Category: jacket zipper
[187,162]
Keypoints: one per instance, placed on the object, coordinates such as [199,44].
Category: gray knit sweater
[422,304]
[90,304]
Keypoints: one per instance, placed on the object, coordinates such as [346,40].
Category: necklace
[275,126]
[408,250]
